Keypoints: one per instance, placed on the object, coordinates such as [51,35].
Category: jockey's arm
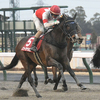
[48,23]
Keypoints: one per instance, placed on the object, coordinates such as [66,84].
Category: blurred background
[16,21]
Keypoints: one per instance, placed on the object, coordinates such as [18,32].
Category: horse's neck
[58,34]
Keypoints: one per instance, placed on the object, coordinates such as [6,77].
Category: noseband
[70,34]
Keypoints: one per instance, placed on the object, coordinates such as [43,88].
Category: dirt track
[46,91]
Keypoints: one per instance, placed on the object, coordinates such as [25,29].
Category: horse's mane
[61,19]
[96,58]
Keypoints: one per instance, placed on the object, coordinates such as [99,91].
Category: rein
[53,42]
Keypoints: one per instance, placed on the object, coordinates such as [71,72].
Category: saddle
[28,44]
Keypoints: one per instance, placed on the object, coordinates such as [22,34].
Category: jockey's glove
[56,22]
[51,23]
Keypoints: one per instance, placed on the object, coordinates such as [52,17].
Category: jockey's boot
[34,48]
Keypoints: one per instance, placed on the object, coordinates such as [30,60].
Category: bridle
[74,38]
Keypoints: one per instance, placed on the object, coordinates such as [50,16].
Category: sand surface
[92,92]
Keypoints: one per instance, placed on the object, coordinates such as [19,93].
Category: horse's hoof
[64,88]
[50,80]
[55,88]
[83,87]
[38,96]
[45,82]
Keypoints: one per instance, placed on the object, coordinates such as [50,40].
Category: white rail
[6,57]
[80,54]
[76,54]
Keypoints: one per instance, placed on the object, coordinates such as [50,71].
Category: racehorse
[52,52]
[96,58]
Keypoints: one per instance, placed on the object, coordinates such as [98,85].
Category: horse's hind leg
[24,76]
[30,80]
[22,80]
[35,77]
[54,71]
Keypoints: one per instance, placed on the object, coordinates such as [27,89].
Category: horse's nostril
[73,36]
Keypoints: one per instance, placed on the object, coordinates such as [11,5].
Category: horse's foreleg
[55,78]
[58,65]
[64,86]
[57,81]
[47,79]
[75,78]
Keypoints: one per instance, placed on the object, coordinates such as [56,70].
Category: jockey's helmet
[55,10]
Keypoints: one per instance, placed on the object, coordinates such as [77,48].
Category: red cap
[55,10]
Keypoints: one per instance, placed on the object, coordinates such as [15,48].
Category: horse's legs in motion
[60,67]
[23,78]
[75,78]
[27,74]
[30,80]
[54,71]
[47,79]
[57,79]
[35,77]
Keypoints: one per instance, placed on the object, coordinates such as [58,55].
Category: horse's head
[70,28]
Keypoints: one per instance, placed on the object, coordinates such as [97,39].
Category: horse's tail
[13,63]
[96,58]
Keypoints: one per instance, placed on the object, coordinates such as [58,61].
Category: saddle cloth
[28,44]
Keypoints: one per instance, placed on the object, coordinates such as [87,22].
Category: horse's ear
[61,16]
[74,16]
[65,16]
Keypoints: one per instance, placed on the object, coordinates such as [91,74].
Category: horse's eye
[68,28]
[67,25]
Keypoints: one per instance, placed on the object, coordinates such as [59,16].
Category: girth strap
[37,58]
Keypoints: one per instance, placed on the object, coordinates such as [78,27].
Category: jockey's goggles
[54,15]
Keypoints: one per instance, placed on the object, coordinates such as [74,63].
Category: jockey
[44,18]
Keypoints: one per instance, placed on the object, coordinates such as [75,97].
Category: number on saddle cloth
[28,44]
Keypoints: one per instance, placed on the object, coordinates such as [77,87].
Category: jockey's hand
[56,22]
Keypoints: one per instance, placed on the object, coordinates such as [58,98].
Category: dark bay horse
[96,58]
[52,52]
